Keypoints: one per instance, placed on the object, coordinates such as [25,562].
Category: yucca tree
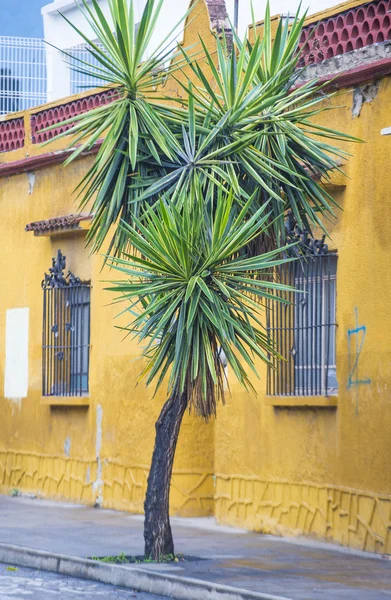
[250,131]
[198,193]
[195,297]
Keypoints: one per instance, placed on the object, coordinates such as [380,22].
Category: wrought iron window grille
[306,244]
[303,326]
[66,332]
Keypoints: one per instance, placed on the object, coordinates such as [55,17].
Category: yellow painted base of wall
[124,488]
[48,475]
[352,518]
[118,486]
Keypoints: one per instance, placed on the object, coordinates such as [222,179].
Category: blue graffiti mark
[359,333]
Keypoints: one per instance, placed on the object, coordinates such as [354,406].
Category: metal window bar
[304,329]
[80,81]
[66,332]
[23,81]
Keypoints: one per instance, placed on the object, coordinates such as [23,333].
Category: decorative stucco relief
[353,518]
[123,486]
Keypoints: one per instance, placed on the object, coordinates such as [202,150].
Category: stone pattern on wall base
[191,492]
[352,518]
[50,476]
[119,486]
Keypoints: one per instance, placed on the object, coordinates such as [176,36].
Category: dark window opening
[66,332]
[304,328]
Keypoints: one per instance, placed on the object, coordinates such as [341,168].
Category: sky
[23,17]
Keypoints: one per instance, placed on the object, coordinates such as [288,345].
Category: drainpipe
[236,15]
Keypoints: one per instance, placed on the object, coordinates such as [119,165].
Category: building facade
[310,454]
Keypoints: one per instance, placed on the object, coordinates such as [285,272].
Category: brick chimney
[218,15]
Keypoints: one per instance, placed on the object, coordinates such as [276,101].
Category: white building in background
[61,80]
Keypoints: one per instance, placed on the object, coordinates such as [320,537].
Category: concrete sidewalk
[296,571]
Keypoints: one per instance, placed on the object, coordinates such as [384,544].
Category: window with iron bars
[303,327]
[66,332]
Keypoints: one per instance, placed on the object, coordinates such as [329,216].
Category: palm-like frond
[196,185]
[136,138]
[268,138]
[250,130]
[195,296]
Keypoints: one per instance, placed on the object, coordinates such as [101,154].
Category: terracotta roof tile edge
[57,222]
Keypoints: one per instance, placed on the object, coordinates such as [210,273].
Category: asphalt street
[30,584]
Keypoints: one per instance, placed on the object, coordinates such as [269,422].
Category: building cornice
[41,161]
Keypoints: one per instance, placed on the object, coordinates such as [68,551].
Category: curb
[179,588]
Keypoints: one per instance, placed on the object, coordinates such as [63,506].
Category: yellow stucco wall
[103,451]
[319,470]
[35,438]
[326,472]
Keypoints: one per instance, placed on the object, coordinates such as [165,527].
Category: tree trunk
[157,529]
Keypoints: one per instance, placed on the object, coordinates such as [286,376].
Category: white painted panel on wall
[16,353]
